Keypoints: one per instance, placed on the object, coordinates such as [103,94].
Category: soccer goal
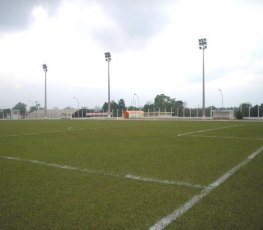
[223,114]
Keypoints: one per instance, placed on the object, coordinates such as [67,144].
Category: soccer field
[122,174]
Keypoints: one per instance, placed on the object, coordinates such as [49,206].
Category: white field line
[230,137]
[54,165]
[148,179]
[79,128]
[207,130]
[30,134]
[101,172]
[161,224]
[72,128]
[22,134]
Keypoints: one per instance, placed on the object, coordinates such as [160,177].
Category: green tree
[34,108]
[256,111]
[245,109]
[4,113]
[239,114]
[148,107]
[162,101]
[105,107]
[121,104]
[113,107]
[21,107]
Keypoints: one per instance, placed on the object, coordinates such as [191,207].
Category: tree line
[161,102]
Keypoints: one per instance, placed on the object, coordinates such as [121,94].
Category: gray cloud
[138,20]
[16,14]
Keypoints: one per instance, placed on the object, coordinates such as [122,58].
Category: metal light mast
[45,70]
[108,59]
[203,46]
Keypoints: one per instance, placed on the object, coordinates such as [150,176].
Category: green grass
[34,196]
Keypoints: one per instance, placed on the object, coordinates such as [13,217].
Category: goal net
[223,114]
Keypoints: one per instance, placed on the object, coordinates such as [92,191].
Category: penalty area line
[161,224]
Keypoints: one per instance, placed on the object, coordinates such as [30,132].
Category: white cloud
[162,59]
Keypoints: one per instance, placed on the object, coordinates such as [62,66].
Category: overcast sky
[154,48]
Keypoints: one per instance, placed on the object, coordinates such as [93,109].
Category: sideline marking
[206,130]
[101,172]
[161,224]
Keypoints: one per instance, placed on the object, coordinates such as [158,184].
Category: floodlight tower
[76,100]
[221,96]
[138,100]
[78,104]
[108,59]
[203,46]
[45,70]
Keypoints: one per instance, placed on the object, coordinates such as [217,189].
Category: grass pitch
[86,174]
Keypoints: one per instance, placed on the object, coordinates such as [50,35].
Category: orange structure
[133,114]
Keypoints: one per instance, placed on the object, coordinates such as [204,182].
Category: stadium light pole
[76,100]
[78,103]
[45,70]
[203,46]
[221,96]
[138,100]
[108,59]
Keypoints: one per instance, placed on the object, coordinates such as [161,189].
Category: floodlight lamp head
[202,43]
[107,56]
[44,67]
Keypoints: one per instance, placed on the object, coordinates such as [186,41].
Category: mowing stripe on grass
[101,172]
[161,224]
[206,130]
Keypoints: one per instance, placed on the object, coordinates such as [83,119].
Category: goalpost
[223,114]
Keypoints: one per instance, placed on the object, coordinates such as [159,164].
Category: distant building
[133,114]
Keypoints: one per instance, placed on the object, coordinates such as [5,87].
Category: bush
[239,115]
